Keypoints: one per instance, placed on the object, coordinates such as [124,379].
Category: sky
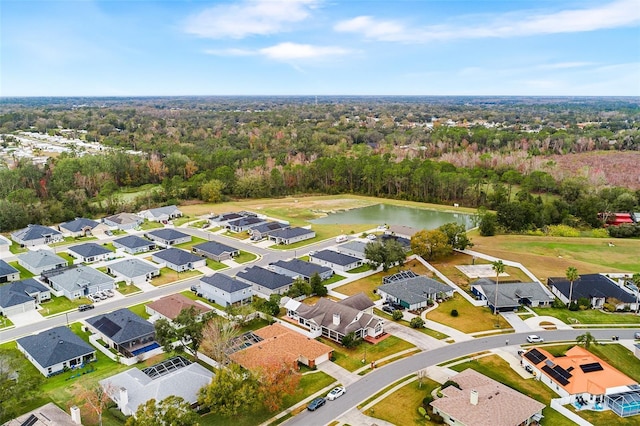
[319,47]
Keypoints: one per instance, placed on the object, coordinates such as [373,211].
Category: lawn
[60,304]
[325,232]
[140,310]
[184,219]
[149,224]
[470,318]
[364,268]
[128,289]
[169,275]
[238,235]
[23,272]
[401,407]
[5,322]
[67,257]
[351,359]
[199,224]
[245,257]
[191,295]
[72,240]
[16,249]
[427,331]
[109,246]
[589,316]
[495,367]
[194,241]
[215,265]
[334,279]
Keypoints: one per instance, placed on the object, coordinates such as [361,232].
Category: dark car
[397,307]
[388,309]
[316,403]
[83,308]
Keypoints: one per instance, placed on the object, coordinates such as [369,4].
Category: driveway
[517,323]
[26,318]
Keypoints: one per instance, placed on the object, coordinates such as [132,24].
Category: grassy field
[351,359]
[128,289]
[495,367]
[16,249]
[470,318]
[140,310]
[67,257]
[245,257]
[589,316]
[427,331]
[148,225]
[401,407]
[215,265]
[23,272]
[194,241]
[169,275]
[60,304]
[334,279]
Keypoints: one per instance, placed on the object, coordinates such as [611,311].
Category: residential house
[133,271]
[123,221]
[35,235]
[296,268]
[482,401]
[124,331]
[244,224]
[178,260]
[291,235]
[265,282]
[412,291]
[583,379]
[133,244]
[167,237]
[404,242]
[78,281]
[277,345]
[354,248]
[595,287]
[262,231]
[224,290]
[161,214]
[334,320]
[90,252]
[172,377]
[81,227]
[53,350]
[47,415]
[5,246]
[39,261]
[222,219]
[334,260]
[22,296]
[169,307]
[8,272]
[511,295]
[216,251]
[401,231]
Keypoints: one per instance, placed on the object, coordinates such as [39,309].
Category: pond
[397,215]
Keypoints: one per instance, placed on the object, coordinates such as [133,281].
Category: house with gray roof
[8,272]
[35,235]
[133,244]
[265,282]
[291,235]
[124,331]
[53,350]
[221,220]
[22,296]
[5,245]
[412,291]
[173,377]
[401,231]
[296,268]
[167,237]
[334,320]
[161,214]
[511,295]
[178,260]
[215,250]
[123,221]
[40,261]
[262,231]
[80,227]
[224,290]
[133,271]
[334,260]
[354,248]
[90,252]
[78,281]
[598,288]
[244,224]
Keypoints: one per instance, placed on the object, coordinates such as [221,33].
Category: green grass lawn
[23,272]
[67,257]
[16,249]
[73,240]
[427,331]
[324,232]
[245,257]
[128,289]
[351,359]
[182,220]
[194,241]
[61,304]
[589,316]
[109,246]
[363,268]
[5,322]
[215,265]
[401,407]
[495,367]
[470,318]
[334,279]
[169,275]
[140,310]
[199,224]
[371,282]
[147,225]
[191,295]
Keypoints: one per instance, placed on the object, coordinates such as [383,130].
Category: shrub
[573,306]
[562,231]
[422,411]
[397,315]
[450,383]
[427,400]
[488,225]
[557,303]
[454,313]
[350,340]
[609,307]
[416,322]
[437,418]
[599,233]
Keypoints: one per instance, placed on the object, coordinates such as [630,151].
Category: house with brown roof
[482,401]
[278,344]
[169,307]
[334,320]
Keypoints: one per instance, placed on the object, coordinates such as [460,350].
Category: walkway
[517,323]
[342,375]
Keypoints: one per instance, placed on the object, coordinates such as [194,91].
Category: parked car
[194,288]
[336,393]
[100,295]
[108,292]
[316,403]
[397,307]
[372,237]
[83,308]
[532,338]
[528,369]
[388,309]
[93,298]
[636,335]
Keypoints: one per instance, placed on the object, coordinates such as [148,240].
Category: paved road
[374,381]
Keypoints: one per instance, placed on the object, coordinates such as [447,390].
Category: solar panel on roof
[535,356]
[555,375]
[562,372]
[31,420]
[108,327]
[589,368]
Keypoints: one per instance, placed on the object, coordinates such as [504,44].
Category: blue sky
[319,47]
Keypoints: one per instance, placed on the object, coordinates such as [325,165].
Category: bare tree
[97,397]
[217,339]
[422,374]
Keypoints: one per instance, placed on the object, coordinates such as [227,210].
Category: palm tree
[498,267]
[586,339]
[572,276]
[636,282]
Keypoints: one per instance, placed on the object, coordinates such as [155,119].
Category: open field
[589,316]
[401,407]
[470,318]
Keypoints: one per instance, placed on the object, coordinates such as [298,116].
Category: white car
[93,298]
[336,393]
[532,338]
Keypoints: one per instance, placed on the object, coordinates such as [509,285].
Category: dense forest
[513,155]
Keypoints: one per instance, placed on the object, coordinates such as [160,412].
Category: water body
[397,215]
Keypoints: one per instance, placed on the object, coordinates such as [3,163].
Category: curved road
[380,378]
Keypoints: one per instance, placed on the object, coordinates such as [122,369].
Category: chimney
[336,319]
[473,397]
[75,415]
[124,398]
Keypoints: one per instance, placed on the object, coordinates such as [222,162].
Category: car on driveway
[336,393]
[532,338]
[388,309]
[316,403]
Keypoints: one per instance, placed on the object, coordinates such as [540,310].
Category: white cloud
[565,65]
[620,13]
[230,52]
[287,51]
[249,17]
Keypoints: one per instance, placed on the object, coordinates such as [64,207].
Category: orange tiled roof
[171,306]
